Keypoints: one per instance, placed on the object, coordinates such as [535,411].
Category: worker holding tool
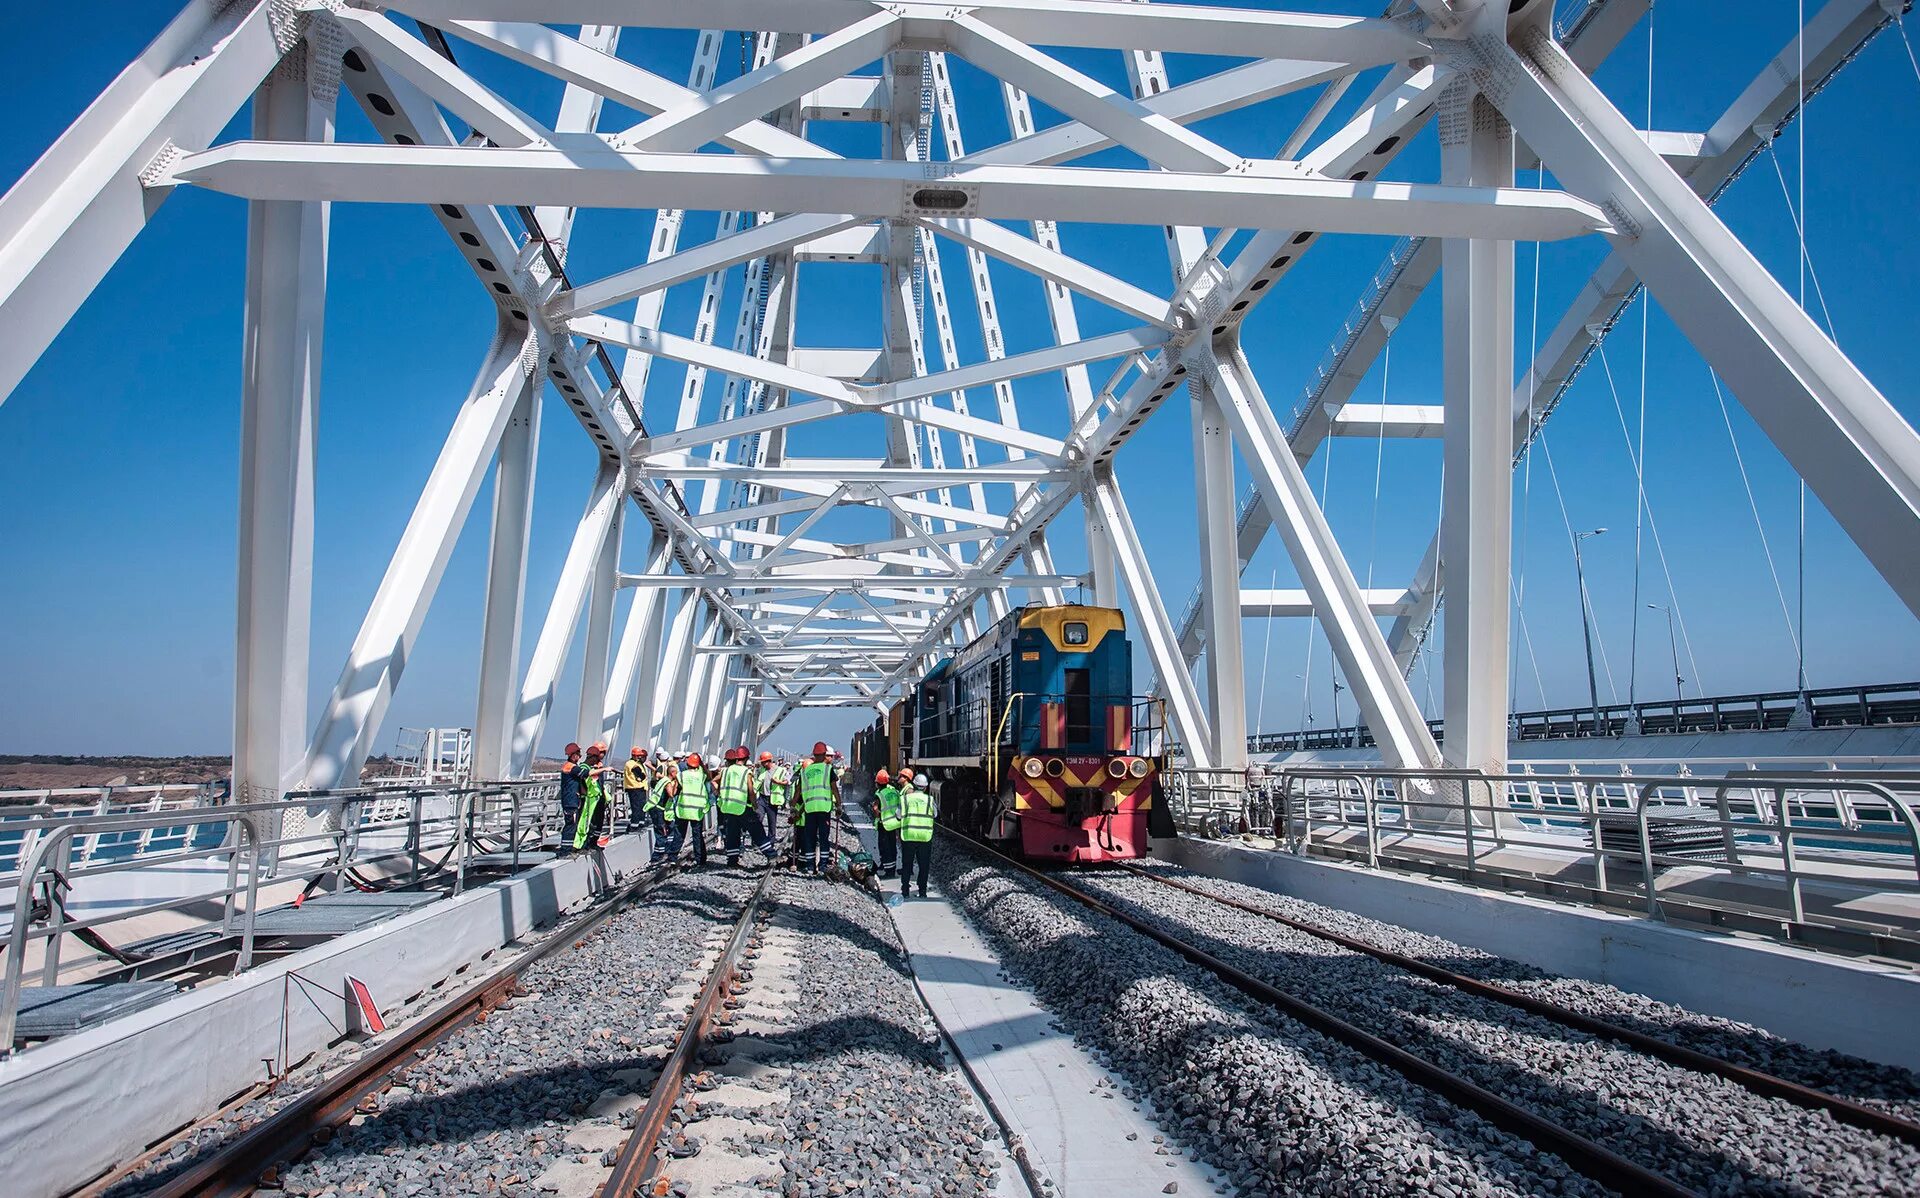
[592,820]
[886,818]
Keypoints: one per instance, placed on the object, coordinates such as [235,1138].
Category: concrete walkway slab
[1069,1112]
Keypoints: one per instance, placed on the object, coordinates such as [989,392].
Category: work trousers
[769,820]
[659,817]
[889,843]
[680,830]
[810,842]
[569,816]
[636,809]
[735,828]
[916,854]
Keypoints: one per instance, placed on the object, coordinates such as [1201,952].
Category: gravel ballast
[489,1109]
[1704,1132]
[1868,1082]
[874,1107]
[1278,1107]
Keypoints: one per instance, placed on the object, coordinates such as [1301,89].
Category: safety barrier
[1768,849]
[98,870]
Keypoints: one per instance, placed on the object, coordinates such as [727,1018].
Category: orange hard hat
[693,759]
[906,773]
[819,748]
[880,778]
[573,750]
[639,753]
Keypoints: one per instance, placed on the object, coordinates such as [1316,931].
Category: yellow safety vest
[816,789]
[736,789]
[693,795]
[777,781]
[916,813]
[636,776]
[889,798]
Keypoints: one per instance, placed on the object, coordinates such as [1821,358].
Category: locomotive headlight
[1055,767]
[1117,767]
[1139,767]
[1032,767]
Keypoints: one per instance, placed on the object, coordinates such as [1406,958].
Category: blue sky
[118,454]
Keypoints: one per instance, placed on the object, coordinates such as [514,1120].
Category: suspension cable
[1900,23]
[1379,453]
[1753,506]
[1266,655]
[1586,600]
[1653,526]
[1638,448]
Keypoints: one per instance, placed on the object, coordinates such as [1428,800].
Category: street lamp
[1586,624]
[1678,682]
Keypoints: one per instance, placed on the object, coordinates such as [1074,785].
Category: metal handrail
[240,818]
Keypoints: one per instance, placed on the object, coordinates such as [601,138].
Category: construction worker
[886,814]
[819,796]
[573,782]
[592,820]
[736,799]
[772,785]
[916,832]
[634,782]
[663,785]
[690,811]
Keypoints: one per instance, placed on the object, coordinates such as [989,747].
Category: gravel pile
[1707,1133]
[874,1108]
[1885,1086]
[1278,1107]
[489,1109]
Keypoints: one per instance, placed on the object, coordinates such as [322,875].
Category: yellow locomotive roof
[1053,620]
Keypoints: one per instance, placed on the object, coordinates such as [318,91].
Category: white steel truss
[823,521]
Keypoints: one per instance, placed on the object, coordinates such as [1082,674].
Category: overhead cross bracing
[835,492]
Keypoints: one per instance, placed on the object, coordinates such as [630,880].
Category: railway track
[1767,1085]
[1592,1159]
[253,1158]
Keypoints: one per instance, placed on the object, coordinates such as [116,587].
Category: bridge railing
[1766,849]
[1879,705]
[135,884]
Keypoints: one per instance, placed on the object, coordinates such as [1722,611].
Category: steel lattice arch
[934,444]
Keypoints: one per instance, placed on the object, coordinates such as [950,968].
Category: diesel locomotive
[1030,735]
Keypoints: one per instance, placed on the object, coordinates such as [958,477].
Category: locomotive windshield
[1074,633]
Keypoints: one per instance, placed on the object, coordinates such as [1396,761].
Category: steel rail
[237,1167]
[1597,1162]
[1762,1083]
[638,1162]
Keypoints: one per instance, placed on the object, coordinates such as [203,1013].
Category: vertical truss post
[563,615]
[1219,577]
[1100,559]
[1130,560]
[506,601]
[285,319]
[636,663]
[674,660]
[393,619]
[1477,506]
[1385,702]
[606,588]
[1039,559]
[690,680]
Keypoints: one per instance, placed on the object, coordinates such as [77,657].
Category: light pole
[1672,651]
[1337,688]
[1586,624]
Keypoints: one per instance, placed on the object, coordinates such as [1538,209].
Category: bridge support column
[1184,713]
[1476,542]
[1219,578]
[1385,702]
[675,657]
[286,303]
[506,601]
[1100,556]
[563,615]
[636,664]
[606,588]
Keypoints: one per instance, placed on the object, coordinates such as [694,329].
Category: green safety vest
[693,795]
[736,789]
[590,802]
[657,793]
[777,781]
[889,798]
[816,789]
[916,811]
